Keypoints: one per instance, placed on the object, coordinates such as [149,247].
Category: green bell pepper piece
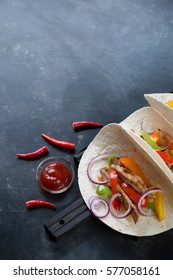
[148,139]
[110,159]
[103,190]
[151,206]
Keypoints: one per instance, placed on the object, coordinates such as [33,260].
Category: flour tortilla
[151,119]
[159,102]
[113,139]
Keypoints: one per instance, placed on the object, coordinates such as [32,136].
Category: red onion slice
[99,207]
[91,199]
[98,204]
[118,214]
[143,128]
[167,147]
[149,212]
[89,169]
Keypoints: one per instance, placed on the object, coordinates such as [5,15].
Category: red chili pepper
[34,154]
[85,124]
[113,180]
[59,143]
[32,203]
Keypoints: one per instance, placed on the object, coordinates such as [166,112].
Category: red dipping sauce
[55,176]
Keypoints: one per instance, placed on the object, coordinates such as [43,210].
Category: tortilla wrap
[159,102]
[152,120]
[113,139]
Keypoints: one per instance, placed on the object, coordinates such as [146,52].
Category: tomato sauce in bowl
[55,175]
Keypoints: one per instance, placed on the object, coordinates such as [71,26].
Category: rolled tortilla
[152,120]
[113,139]
[159,102]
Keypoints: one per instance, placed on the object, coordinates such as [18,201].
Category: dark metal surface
[64,61]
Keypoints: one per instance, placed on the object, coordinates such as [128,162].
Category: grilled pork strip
[129,177]
[165,139]
[127,201]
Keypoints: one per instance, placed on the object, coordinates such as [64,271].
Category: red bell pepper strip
[167,158]
[113,180]
[59,143]
[133,194]
[33,203]
[34,154]
[85,124]
[116,204]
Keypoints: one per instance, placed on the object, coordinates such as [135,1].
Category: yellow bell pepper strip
[167,158]
[155,136]
[103,190]
[110,159]
[170,103]
[133,194]
[113,180]
[134,167]
[149,141]
[159,205]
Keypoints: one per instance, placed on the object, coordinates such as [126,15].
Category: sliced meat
[105,174]
[127,201]
[129,177]
[165,139]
